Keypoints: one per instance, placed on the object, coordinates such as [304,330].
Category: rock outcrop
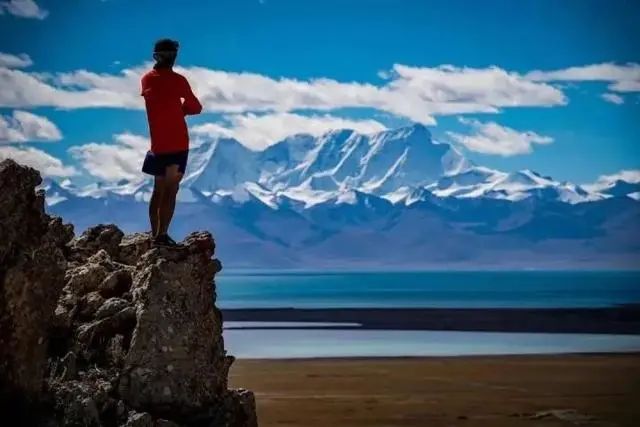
[105,329]
[32,268]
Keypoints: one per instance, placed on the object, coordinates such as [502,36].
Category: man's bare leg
[155,203]
[172,179]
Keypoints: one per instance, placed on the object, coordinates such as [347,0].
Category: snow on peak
[56,192]
[623,183]
[479,181]
[403,165]
[220,164]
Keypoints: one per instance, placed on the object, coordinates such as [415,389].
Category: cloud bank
[259,131]
[259,110]
[120,159]
[8,60]
[47,165]
[23,9]
[621,78]
[23,126]
[492,138]
[415,93]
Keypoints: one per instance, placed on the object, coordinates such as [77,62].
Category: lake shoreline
[472,357]
[619,320]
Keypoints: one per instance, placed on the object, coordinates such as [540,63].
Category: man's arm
[144,85]
[190,105]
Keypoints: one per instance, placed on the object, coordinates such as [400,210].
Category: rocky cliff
[104,329]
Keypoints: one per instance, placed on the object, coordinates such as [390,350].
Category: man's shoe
[164,240]
[169,241]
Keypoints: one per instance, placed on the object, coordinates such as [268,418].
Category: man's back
[163,91]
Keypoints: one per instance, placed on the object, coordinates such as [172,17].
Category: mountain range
[396,199]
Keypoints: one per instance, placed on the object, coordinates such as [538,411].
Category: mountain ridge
[390,163]
[350,200]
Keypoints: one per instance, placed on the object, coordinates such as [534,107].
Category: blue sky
[383,61]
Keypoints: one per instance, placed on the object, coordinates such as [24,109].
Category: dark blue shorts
[156,164]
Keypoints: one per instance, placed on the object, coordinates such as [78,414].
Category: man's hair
[166,45]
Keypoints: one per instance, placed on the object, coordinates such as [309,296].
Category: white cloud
[8,60]
[418,94]
[622,78]
[21,89]
[606,181]
[492,138]
[612,98]
[38,159]
[113,161]
[23,126]
[23,9]
[260,131]
[629,175]
[122,158]
[459,90]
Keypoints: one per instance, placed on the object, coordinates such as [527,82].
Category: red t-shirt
[164,91]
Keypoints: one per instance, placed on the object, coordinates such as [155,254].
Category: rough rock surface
[130,331]
[32,266]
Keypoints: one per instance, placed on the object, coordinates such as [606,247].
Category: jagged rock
[101,237]
[89,304]
[87,286]
[116,350]
[166,423]
[65,369]
[88,277]
[110,307]
[32,265]
[93,338]
[131,331]
[160,341]
[116,283]
[62,319]
[133,246]
[240,408]
[177,357]
[139,419]
[80,401]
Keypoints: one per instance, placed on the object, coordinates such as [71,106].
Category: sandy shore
[593,390]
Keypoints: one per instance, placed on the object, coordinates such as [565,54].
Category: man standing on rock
[168,99]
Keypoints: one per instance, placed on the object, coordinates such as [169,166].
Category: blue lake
[312,343]
[529,289]
[428,289]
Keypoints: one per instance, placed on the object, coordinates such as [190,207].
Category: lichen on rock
[106,329]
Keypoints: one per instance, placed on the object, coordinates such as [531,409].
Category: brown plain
[591,390]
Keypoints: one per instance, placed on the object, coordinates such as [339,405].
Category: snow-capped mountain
[315,169]
[391,164]
[624,183]
[483,182]
[392,198]
[57,192]
[221,164]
